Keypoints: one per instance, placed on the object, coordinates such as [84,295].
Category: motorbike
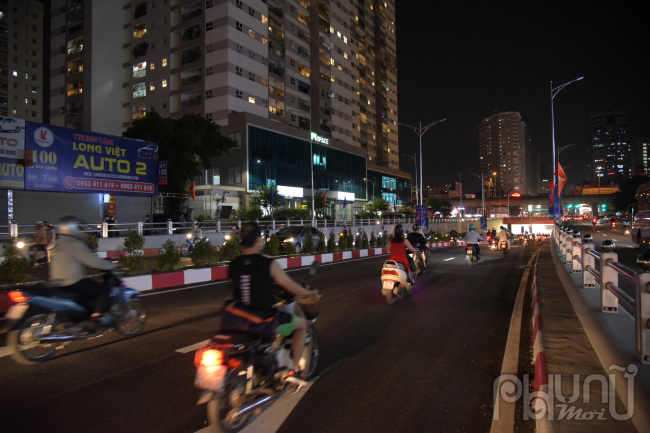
[471,255]
[395,278]
[503,245]
[188,246]
[525,241]
[626,230]
[240,372]
[453,241]
[593,222]
[493,244]
[25,250]
[43,319]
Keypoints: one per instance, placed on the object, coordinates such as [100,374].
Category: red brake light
[17,297]
[211,358]
[389,272]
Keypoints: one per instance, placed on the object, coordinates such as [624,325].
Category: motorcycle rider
[493,233]
[398,246]
[417,239]
[234,233]
[198,232]
[503,236]
[473,238]
[252,276]
[453,234]
[40,241]
[51,239]
[67,269]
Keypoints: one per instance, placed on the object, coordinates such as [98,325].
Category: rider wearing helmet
[503,237]
[417,240]
[453,233]
[67,269]
[473,238]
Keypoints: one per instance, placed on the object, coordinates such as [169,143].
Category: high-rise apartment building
[610,148]
[640,153]
[502,150]
[21,59]
[318,71]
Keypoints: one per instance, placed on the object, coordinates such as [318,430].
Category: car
[297,235]
[7,124]
[150,151]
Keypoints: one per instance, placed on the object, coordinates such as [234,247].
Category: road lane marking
[193,347]
[504,420]
[446,260]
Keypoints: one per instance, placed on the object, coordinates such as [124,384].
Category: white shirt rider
[503,236]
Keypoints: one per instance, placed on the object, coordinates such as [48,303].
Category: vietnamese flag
[193,190]
[561,179]
[551,187]
[324,199]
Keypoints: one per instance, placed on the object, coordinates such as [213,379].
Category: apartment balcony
[190,57]
[73,113]
[190,80]
[303,36]
[304,107]
[277,69]
[75,69]
[276,8]
[276,31]
[326,111]
[324,60]
[303,123]
[276,91]
[192,102]
[304,19]
[191,14]
[325,128]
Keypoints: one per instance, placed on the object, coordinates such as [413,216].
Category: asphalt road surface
[426,363]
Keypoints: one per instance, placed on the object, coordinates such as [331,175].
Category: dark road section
[426,363]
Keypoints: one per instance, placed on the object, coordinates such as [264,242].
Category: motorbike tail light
[389,272]
[209,357]
[18,297]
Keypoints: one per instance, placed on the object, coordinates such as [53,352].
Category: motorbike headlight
[20,244]
[99,227]
[189,236]
[289,240]
[227,237]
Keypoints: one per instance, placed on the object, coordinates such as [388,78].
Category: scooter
[493,244]
[43,321]
[239,372]
[395,279]
[504,246]
[25,250]
[525,241]
[188,246]
[453,241]
[470,254]
[626,230]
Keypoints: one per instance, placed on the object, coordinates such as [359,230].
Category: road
[426,363]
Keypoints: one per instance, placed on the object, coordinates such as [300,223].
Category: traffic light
[603,207]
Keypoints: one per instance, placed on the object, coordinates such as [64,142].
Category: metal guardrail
[583,256]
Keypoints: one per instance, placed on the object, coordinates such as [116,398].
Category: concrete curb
[148,282]
[605,348]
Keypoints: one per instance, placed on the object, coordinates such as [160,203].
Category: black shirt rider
[252,282]
[416,239]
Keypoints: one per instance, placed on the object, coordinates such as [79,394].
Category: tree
[438,204]
[378,205]
[628,187]
[179,140]
[267,198]
[408,209]
[318,203]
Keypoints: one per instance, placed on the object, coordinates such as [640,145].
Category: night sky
[468,60]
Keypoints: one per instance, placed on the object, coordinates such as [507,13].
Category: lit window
[164,62]
[332,61]
[164,83]
[345,55]
[152,66]
[251,33]
[338,34]
[26,100]
[152,86]
[331,29]
[265,20]
[345,39]
[15,73]
[251,99]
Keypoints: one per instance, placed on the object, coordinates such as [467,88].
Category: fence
[580,253]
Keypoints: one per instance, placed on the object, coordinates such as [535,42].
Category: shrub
[321,242]
[350,240]
[273,245]
[12,268]
[308,248]
[343,243]
[254,213]
[134,260]
[359,242]
[291,249]
[93,243]
[169,259]
[364,244]
[230,250]
[373,239]
[292,214]
[331,242]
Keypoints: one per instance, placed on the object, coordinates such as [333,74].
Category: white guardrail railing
[170,227]
[580,253]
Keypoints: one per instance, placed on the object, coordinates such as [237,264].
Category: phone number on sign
[113,186]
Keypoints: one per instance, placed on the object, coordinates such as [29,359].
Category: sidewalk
[568,352]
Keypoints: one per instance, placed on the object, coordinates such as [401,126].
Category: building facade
[610,148]
[21,59]
[502,152]
[640,153]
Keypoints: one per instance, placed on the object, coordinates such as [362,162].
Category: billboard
[12,174]
[12,138]
[68,160]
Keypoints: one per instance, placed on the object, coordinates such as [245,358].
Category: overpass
[593,200]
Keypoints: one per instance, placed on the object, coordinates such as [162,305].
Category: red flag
[551,187]
[324,199]
[561,178]
[192,191]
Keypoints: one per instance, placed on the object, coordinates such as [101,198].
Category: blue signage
[483,223]
[421,215]
[67,160]
[12,174]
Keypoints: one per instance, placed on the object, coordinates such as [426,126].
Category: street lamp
[373,186]
[554,92]
[482,177]
[460,178]
[269,167]
[311,158]
[420,132]
[414,158]
[599,175]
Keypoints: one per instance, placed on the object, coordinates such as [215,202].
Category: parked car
[297,235]
[7,124]
[150,151]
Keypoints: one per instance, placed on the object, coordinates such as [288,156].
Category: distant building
[639,152]
[611,157]
[502,150]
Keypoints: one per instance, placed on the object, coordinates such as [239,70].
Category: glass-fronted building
[390,186]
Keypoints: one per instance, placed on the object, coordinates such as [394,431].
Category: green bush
[203,254]
[308,248]
[202,218]
[364,243]
[273,245]
[373,239]
[169,259]
[133,243]
[291,214]
[343,243]
[358,244]
[321,242]
[254,213]
[331,242]
[291,249]
[93,243]
[350,241]
[134,261]
[12,268]
[230,250]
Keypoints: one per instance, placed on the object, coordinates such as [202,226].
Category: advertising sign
[162,172]
[67,160]
[12,174]
[29,157]
[289,191]
[112,205]
[421,215]
[12,138]
[349,196]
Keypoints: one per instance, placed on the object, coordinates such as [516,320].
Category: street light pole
[373,186]
[420,132]
[482,177]
[414,158]
[311,158]
[554,92]
[558,195]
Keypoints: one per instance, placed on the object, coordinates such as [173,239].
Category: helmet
[70,226]
[453,229]
[472,227]
[415,227]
